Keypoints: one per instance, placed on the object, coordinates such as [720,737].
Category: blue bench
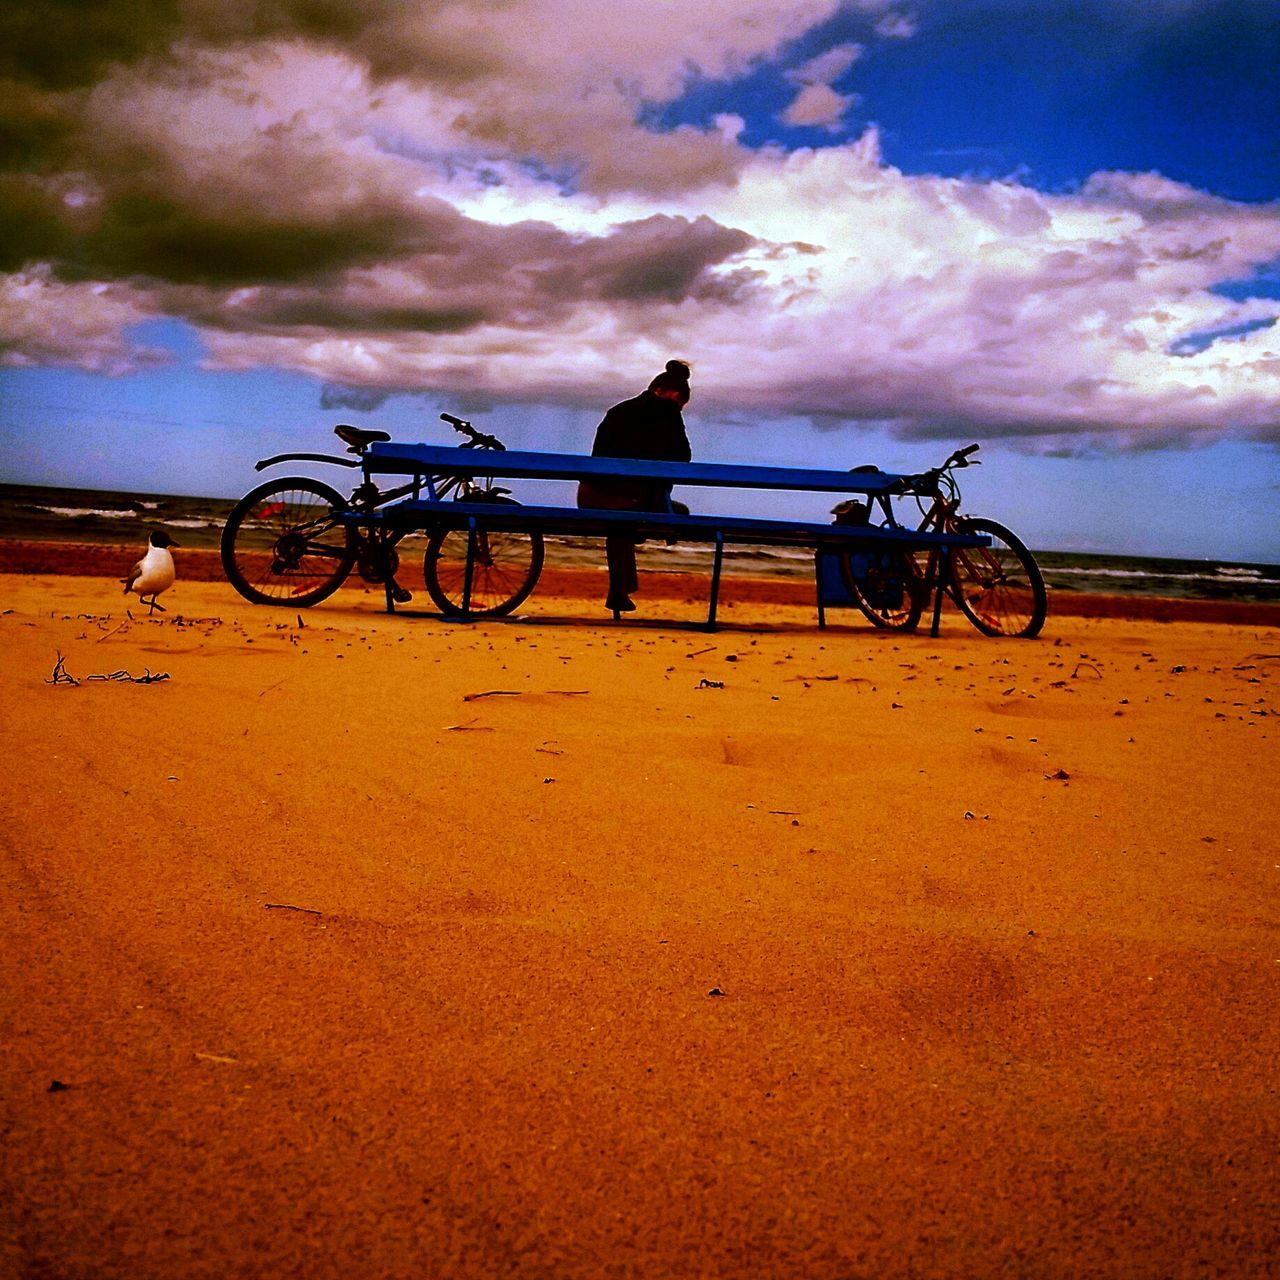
[427,463]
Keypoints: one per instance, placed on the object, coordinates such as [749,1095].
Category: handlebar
[928,482]
[475,439]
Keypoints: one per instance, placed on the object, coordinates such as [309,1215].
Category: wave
[1229,574]
[85,513]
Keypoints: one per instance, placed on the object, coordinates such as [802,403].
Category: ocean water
[95,516]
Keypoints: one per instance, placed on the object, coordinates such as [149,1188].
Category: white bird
[154,573]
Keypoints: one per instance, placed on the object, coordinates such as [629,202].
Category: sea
[45,514]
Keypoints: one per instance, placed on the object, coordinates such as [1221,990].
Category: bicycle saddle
[356,439]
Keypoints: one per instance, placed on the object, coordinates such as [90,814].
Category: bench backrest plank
[442,460]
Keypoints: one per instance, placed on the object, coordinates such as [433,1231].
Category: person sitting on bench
[649,427]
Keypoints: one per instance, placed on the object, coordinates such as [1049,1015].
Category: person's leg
[620,550]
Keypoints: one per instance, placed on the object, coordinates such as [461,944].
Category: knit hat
[675,377]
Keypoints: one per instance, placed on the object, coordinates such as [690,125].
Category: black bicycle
[293,541]
[999,588]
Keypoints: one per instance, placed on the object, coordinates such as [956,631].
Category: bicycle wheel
[282,543]
[998,588]
[888,593]
[506,566]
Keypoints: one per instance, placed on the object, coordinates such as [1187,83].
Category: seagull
[154,573]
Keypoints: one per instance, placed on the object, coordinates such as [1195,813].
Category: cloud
[465,198]
[554,82]
[817,103]
[362,401]
[828,67]
[897,26]
[46,322]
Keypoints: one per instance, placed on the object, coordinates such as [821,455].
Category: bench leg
[944,572]
[383,538]
[715,581]
[469,572]
[822,603]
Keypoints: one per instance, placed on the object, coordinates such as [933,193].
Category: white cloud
[819,105]
[44,321]
[897,26]
[827,67]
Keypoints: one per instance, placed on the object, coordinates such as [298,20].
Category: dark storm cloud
[153,233]
[471,273]
[70,44]
[67,44]
[359,399]
[37,128]
[661,259]
[30,225]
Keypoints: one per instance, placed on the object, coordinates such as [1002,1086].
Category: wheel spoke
[282,544]
[505,566]
[998,587]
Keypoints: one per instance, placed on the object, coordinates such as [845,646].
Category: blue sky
[1052,93]
[877,232]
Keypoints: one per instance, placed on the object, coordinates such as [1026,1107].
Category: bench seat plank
[696,527]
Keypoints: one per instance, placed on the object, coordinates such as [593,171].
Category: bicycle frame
[931,578]
[368,497]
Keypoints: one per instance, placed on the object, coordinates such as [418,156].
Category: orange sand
[370,946]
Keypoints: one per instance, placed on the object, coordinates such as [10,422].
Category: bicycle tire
[999,588]
[874,594]
[505,570]
[282,544]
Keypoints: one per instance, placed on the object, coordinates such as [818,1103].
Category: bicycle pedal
[400,595]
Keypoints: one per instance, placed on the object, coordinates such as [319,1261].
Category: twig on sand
[471,726]
[492,693]
[123,677]
[60,673]
[288,906]
[106,634]
[697,653]
[1091,668]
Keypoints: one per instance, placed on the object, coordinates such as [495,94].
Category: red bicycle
[999,588]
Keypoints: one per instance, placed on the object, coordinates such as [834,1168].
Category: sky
[877,231]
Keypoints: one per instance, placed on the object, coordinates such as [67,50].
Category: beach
[346,944]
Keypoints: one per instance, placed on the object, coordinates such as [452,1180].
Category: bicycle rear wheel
[504,571]
[999,588]
[283,544]
[888,592]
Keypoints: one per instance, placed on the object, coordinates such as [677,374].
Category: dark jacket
[647,427]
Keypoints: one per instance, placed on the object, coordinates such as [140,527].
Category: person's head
[673,383]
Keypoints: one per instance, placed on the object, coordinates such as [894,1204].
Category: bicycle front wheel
[889,593]
[283,543]
[504,570]
[999,588]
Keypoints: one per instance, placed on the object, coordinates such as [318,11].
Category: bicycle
[293,541]
[999,588]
